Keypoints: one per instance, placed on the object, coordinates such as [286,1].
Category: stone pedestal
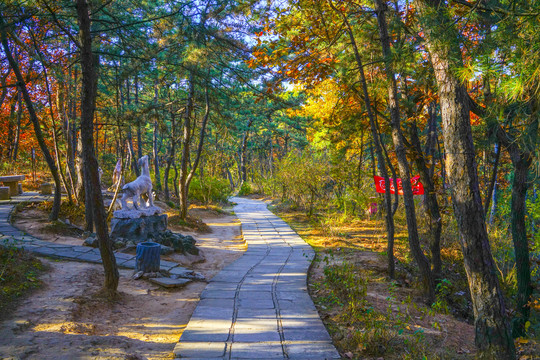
[138,229]
[149,224]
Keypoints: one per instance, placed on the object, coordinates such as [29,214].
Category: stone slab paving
[258,307]
[9,235]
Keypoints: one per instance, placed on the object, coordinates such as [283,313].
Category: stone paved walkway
[11,235]
[258,307]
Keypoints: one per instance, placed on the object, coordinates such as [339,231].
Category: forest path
[258,307]
[10,235]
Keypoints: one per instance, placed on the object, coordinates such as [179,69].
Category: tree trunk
[33,118]
[186,141]
[522,163]
[89,90]
[55,138]
[17,126]
[432,138]
[491,325]
[81,183]
[403,163]
[139,132]
[10,131]
[432,210]
[243,153]
[175,182]
[522,157]
[493,179]
[157,176]
[185,178]
[393,172]
[88,205]
[170,157]
[378,147]
[133,156]
[66,130]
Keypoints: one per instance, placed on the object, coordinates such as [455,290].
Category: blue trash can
[148,257]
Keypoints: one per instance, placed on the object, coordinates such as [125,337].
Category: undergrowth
[19,272]
[366,330]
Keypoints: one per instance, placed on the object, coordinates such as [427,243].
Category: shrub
[19,273]
[209,189]
[245,189]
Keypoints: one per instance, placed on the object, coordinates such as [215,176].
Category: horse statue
[141,185]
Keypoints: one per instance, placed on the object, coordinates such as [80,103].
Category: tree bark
[89,90]
[432,209]
[491,326]
[522,163]
[522,158]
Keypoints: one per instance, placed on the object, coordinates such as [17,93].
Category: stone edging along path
[10,235]
[258,307]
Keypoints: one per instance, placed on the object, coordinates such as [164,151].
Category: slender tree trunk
[432,138]
[33,118]
[133,156]
[392,168]
[11,134]
[55,138]
[493,179]
[89,89]
[522,158]
[243,152]
[432,210]
[157,176]
[17,126]
[186,142]
[66,130]
[88,205]
[175,182]
[170,157]
[80,194]
[378,147]
[185,178]
[201,141]
[139,132]
[403,163]
[491,325]
[493,210]
[522,163]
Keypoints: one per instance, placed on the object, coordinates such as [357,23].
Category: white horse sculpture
[141,185]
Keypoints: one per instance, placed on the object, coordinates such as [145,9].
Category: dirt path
[64,320]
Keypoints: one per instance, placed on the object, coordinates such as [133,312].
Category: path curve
[258,307]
